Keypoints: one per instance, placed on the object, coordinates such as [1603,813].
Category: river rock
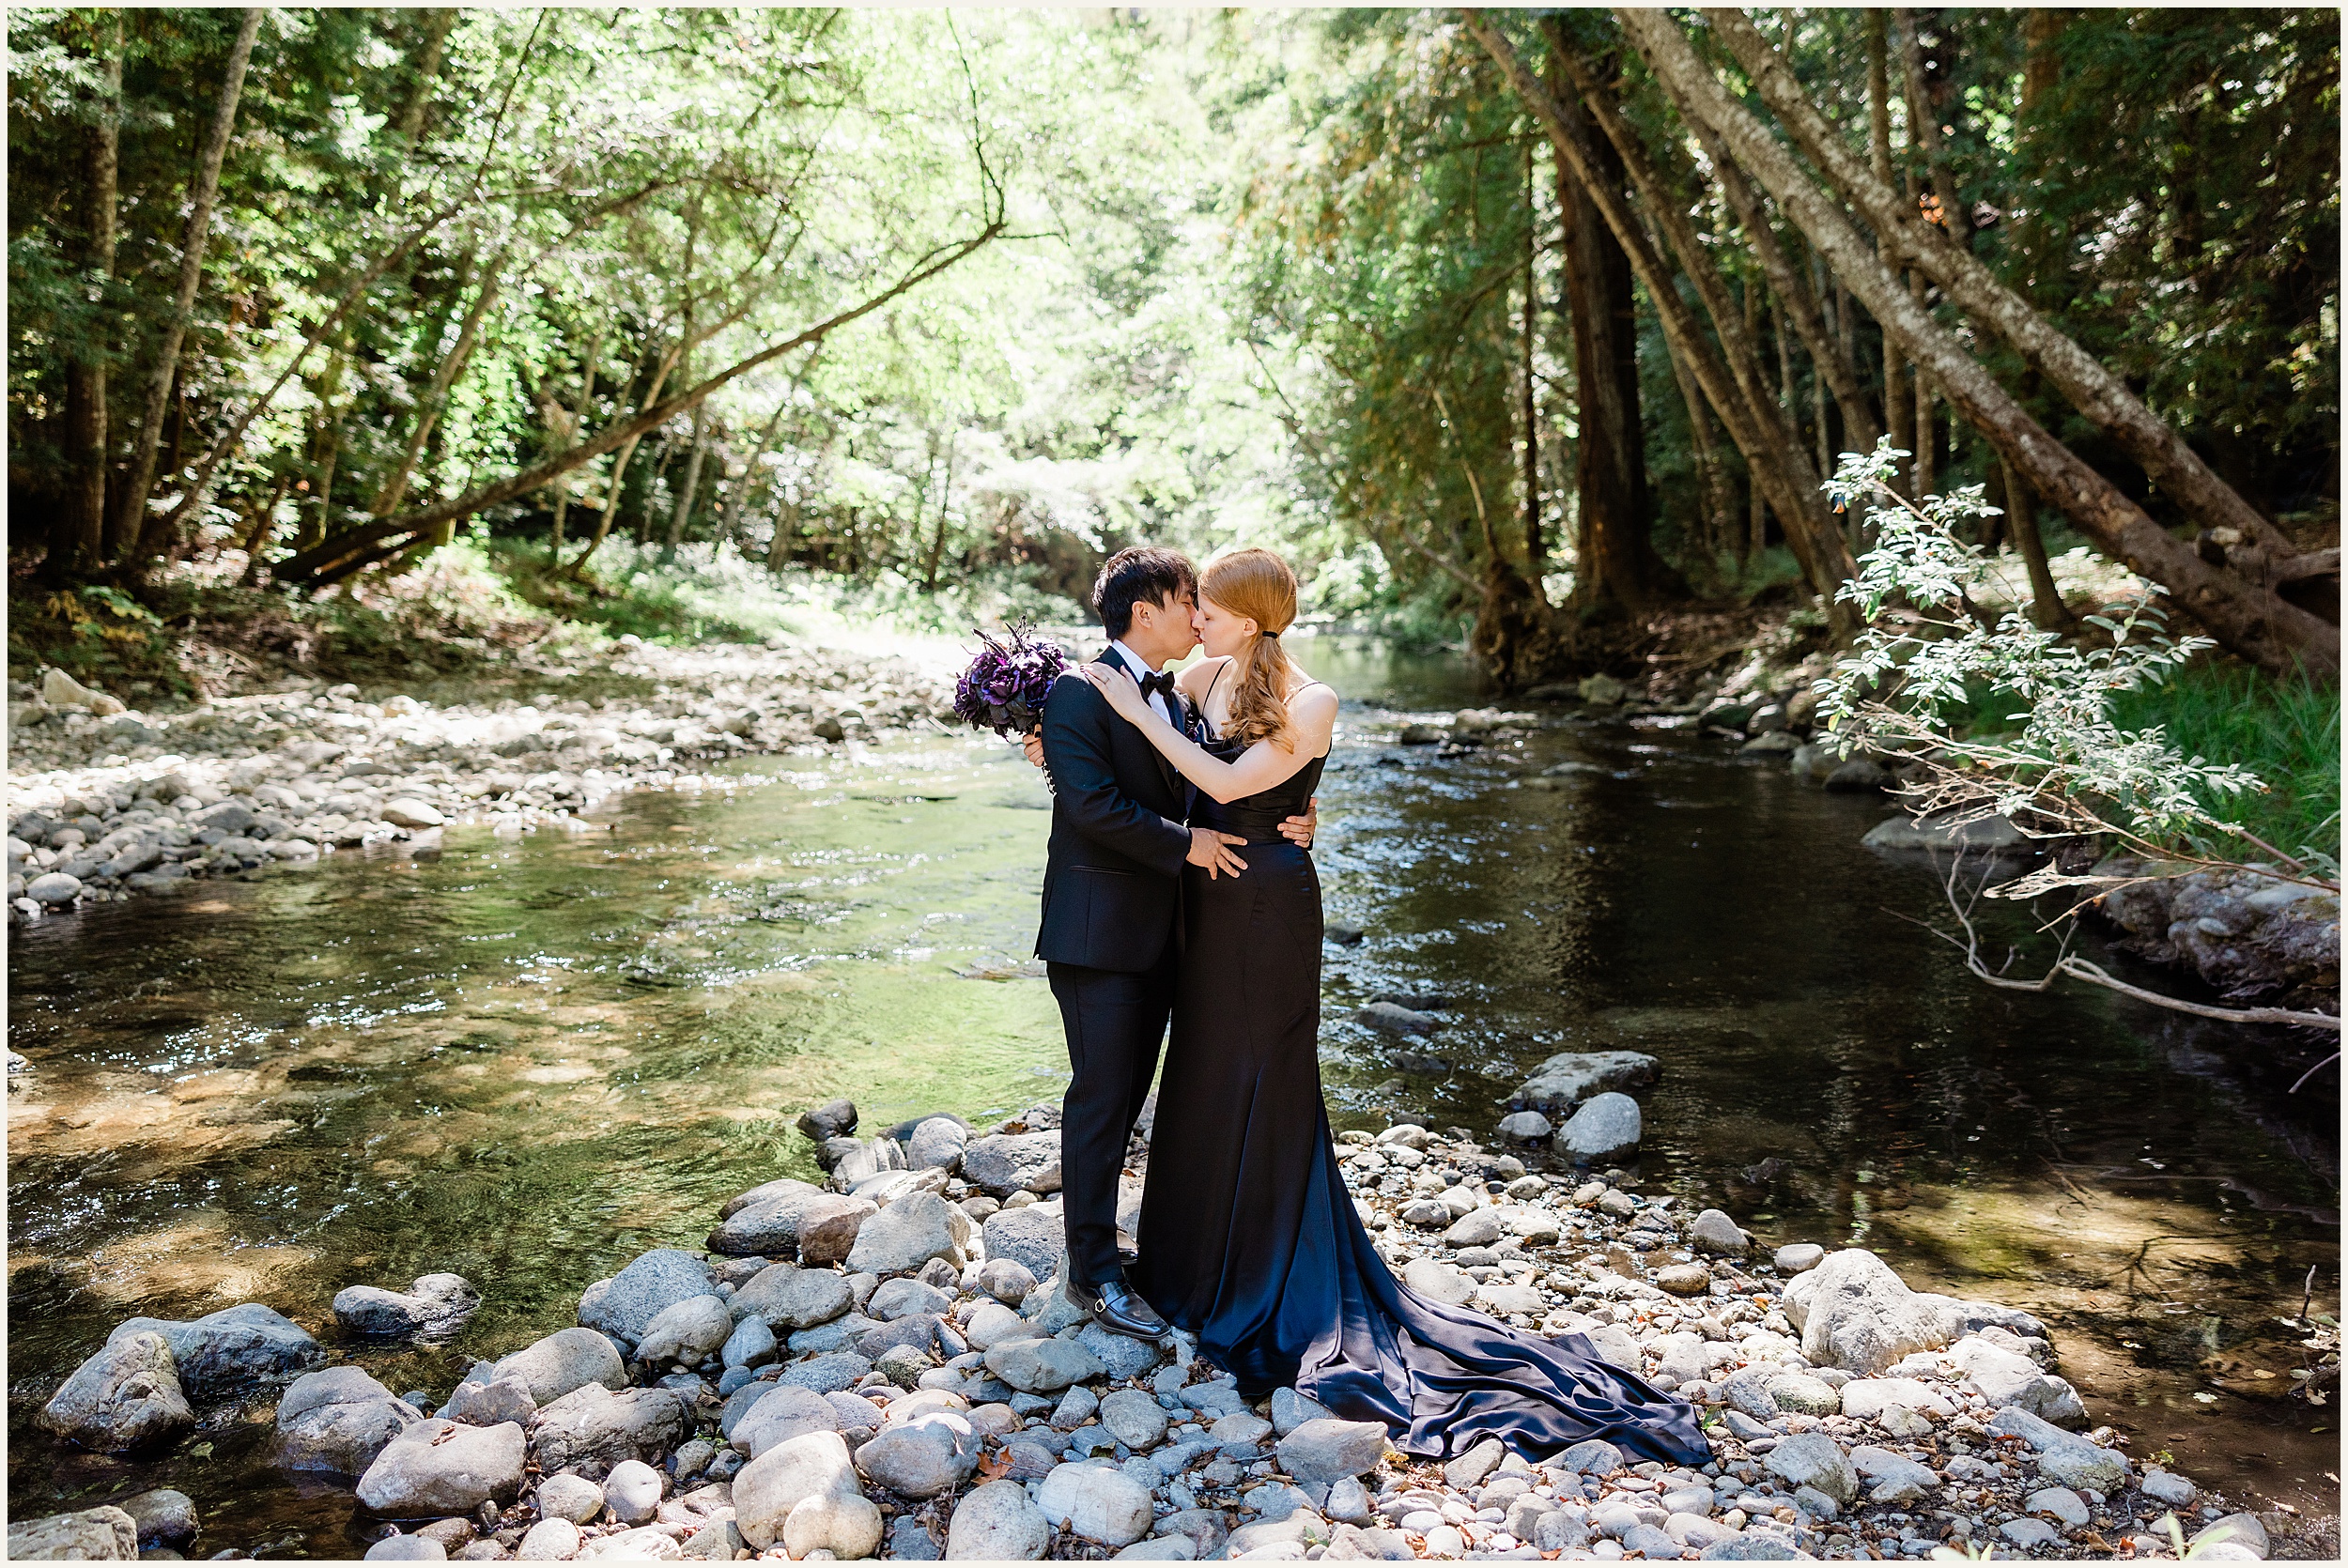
[566,1360]
[804,1494]
[1042,1365]
[632,1545]
[106,1534]
[767,1224]
[164,1517]
[1290,1410]
[338,1420]
[1804,1394]
[1034,1237]
[1607,1127]
[434,1304]
[1684,1278]
[828,1230]
[1715,1232]
[1096,1503]
[857,1160]
[751,1345]
[990,1322]
[550,1539]
[687,1333]
[1133,1418]
[929,1455]
[571,1497]
[2064,1458]
[1567,1079]
[2006,1379]
[1859,776]
[1123,1357]
[1526,1126]
[833,1372]
[126,1396]
[937,1144]
[1798,1257]
[788,1298]
[408,812]
[997,1523]
[1941,831]
[910,1232]
[1856,1313]
[223,1353]
[904,1297]
[1868,1398]
[437,1467]
[1478,1227]
[1388,1018]
[632,1491]
[54,887]
[1326,1450]
[591,1428]
[834,1118]
[625,1305]
[1813,1459]
[1438,1282]
[1006,1278]
[1008,1163]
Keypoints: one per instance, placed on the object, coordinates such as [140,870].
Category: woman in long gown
[1249,1238]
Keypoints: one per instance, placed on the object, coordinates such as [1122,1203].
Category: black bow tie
[1157,683]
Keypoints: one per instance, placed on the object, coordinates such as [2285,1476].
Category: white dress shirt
[1165,702]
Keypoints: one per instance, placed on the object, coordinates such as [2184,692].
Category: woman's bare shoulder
[1199,677]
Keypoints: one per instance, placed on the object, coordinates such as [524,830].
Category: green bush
[2285,731]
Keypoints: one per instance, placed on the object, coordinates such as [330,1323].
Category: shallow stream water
[531,1058]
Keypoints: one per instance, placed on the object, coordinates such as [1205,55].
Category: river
[534,1056]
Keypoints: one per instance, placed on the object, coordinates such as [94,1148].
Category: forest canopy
[1545,322]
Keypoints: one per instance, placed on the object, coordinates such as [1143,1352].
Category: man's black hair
[1130,576]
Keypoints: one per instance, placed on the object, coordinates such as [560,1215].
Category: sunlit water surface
[534,1057]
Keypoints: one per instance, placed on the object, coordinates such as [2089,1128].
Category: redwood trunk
[79,540]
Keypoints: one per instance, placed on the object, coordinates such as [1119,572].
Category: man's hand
[1211,850]
[1299,830]
[1032,743]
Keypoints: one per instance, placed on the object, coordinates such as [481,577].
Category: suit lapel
[1176,785]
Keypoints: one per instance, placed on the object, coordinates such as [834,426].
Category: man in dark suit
[1112,906]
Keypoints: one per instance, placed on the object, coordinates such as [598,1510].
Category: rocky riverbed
[107,803]
[885,1366]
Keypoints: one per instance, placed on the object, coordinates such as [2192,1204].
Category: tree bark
[1536,547]
[1899,405]
[578,423]
[1713,500]
[2101,396]
[1801,509]
[683,509]
[2252,621]
[2047,610]
[938,540]
[137,529]
[740,495]
[78,541]
[323,563]
[1924,128]
[395,488]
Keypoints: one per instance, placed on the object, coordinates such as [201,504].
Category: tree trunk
[1716,506]
[136,529]
[683,509]
[578,423]
[78,541]
[435,399]
[1924,128]
[2099,395]
[2252,620]
[938,540]
[1756,508]
[1536,547]
[1899,405]
[1609,455]
[1801,509]
[740,495]
[2021,521]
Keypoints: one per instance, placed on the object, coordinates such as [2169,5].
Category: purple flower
[1008,681]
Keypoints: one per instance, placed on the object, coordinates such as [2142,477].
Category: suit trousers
[1114,1022]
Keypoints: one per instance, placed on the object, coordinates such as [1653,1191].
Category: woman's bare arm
[1312,719]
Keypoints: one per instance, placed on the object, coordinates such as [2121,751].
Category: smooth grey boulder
[937,1144]
[688,1332]
[439,1468]
[2006,1379]
[1035,1238]
[2064,1458]
[1006,1278]
[1096,1503]
[834,1372]
[125,1397]
[1798,1257]
[1042,1365]
[834,1118]
[1856,1313]
[632,1491]
[223,1353]
[828,1231]
[1326,1450]
[566,1360]
[765,1220]
[780,1188]
[931,1454]
[997,1523]
[788,1298]
[486,1404]
[1133,1418]
[1813,1459]
[1592,1456]
[904,1298]
[1121,1356]
[1607,1127]
[591,1429]
[1571,1077]
[570,1496]
[434,1304]
[106,1534]
[406,1548]
[1715,1232]
[778,1415]
[624,1306]
[338,1420]
[1290,1410]
[752,1344]
[550,1539]
[804,1494]
[910,1232]
[1008,1163]
[164,1517]
[1388,1018]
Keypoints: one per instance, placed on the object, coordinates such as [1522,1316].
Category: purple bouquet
[1004,688]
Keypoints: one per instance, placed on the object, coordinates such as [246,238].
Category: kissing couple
[1180,888]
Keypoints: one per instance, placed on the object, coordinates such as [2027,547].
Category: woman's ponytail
[1258,585]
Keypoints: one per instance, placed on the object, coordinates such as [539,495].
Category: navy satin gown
[1250,1240]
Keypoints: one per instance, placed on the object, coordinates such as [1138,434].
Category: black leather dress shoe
[1120,1307]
